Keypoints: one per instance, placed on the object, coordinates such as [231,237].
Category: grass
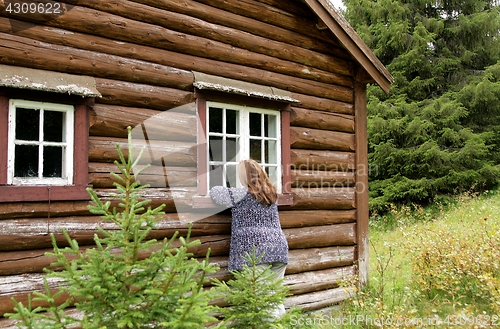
[435,267]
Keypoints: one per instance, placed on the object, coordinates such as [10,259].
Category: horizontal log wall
[142,54]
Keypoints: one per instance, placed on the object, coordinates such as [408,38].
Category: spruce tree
[127,281]
[253,294]
[436,132]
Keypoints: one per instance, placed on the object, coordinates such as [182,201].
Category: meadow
[430,267]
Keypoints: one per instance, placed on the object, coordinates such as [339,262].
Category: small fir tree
[252,295]
[115,285]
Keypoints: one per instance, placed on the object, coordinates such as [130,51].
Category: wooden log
[226,35]
[155,152]
[318,280]
[314,179]
[112,121]
[177,199]
[155,176]
[34,233]
[238,22]
[92,21]
[140,95]
[321,236]
[285,76]
[295,7]
[324,198]
[318,299]
[300,261]
[19,286]
[322,104]
[290,18]
[308,138]
[34,261]
[314,259]
[172,199]
[43,209]
[305,218]
[30,53]
[321,120]
[322,160]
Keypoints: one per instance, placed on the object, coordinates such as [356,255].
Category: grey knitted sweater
[253,224]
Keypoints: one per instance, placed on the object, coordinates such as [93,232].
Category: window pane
[52,161]
[27,124]
[231,175]
[272,173]
[215,175]
[255,124]
[231,122]
[53,126]
[215,120]
[271,153]
[256,150]
[26,161]
[215,148]
[270,125]
[231,149]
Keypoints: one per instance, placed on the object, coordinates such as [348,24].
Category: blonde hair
[259,185]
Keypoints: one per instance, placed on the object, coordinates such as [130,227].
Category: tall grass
[433,267]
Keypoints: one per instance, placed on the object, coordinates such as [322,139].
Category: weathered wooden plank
[34,233]
[305,218]
[324,198]
[255,27]
[154,176]
[18,286]
[292,18]
[308,138]
[321,120]
[314,259]
[307,282]
[235,37]
[94,22]
[141,95]
[43,209]
[34,261]
[322,160]
[321,236]
[30,53]
[362,181]
[286,75]
[173,125]
[103,149]
[318,299]
[315,179]
[322,104]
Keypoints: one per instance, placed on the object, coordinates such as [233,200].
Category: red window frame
[202,200]
[76,191]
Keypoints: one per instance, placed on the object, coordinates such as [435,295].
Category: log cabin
[204,84]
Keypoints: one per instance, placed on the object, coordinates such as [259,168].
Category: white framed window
[40,143]
[236,133]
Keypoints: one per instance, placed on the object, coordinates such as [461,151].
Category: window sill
[205,202]
[11,193]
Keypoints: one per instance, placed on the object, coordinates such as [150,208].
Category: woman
[255,221]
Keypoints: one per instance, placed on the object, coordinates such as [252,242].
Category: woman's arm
[225,196]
